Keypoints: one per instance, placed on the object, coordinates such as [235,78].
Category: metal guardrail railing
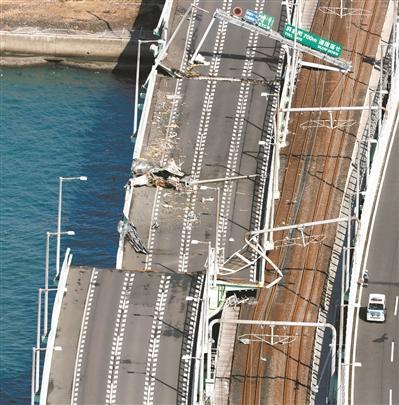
[371,195]
[52,335]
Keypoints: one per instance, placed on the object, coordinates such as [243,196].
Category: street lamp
[217,189]
[35,373]
[136,90]
[213,264]
[35,377]
[61,180]
[46,276]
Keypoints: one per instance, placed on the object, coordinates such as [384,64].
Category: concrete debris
[140,181]
[140,167]
[170,175]
[200,60]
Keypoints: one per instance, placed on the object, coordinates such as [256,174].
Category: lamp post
[136,90]
[204,320]
[61,180]
[46,276]
[35,373]
[35,377]
[217,237]
[212,263]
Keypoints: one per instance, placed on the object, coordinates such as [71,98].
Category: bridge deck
[212,129]
[114,343]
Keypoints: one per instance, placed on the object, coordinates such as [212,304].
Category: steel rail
[335,166]
[305,276]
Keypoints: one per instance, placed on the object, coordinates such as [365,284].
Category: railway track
[306,153]
[324,197]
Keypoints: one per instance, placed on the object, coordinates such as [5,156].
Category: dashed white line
[238,130]
[170,134]
[117,341]
[396,306]
[199,150]
[156,330]
[82,337]
[390,396]
[392,350]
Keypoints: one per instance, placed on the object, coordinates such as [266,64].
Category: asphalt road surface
[218,125]
[136,328]
[377,377]
[131,345]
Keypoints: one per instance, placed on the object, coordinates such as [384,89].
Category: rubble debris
[140,181]
[140,167]
[144,173]
[200,60]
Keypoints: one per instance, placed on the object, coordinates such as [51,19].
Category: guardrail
[136,153]
[380,160]
[359,173]
[162,29]
[54,323]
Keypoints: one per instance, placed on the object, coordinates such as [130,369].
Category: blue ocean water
[55,122]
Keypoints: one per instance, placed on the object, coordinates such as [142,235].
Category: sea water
[55,122]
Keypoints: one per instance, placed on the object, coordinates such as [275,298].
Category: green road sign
[265,21]
[312,41]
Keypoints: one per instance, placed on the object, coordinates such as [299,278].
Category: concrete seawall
[82,50]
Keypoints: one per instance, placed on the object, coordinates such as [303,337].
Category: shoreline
[85,51]
[21,61]
[10,61]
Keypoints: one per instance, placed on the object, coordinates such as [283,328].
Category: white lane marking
[199,150]
[392,350]
[117,341]
[396,306]
[82,337]
[170,134]
[390,396]
[235,143]
[155,337]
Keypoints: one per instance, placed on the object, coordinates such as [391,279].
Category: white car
[376,308]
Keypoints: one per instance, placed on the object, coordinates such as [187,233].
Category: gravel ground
[80,15]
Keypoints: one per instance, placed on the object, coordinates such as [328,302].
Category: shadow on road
[142,27]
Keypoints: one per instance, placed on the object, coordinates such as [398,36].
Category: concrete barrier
[136,154]
[378,168]
[377,173]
